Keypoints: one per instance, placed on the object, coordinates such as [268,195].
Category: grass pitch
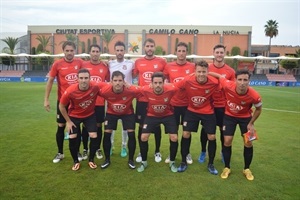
[27,144]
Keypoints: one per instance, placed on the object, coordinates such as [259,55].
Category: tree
[297,52]
[107,37]
[271,30]
[235,51]
[12,44]
[158,50]
[44,42]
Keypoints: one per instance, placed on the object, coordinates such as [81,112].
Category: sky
[17,15]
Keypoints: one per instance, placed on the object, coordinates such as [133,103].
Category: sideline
[276,110]
[274,90]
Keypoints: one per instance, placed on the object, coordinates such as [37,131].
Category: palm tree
[271,30]
[44,42]
[12,44]
[107,37]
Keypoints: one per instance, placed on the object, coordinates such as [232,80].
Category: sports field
[27,146]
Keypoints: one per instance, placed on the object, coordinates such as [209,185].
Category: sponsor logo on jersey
[174,70]
[159,108]
[119,108]
[198,100]
[234,107]
[147,75]
[177,79]
[96,79]
[71,77]
[86,103]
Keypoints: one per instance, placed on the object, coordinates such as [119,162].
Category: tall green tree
[107,37]
[271,30]
[11,43]
[44,42]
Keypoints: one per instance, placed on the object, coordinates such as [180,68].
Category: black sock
[73,149]
[227,155]
[157,136]
[144,150]
[78,139]
[140,136]
[222,138]
[212,146]
[131,144]
[184,148]
[248,155]
[99,137]
[173,150]
[85,138]
[93,148]
[60,136]
[203,140]
[107,145]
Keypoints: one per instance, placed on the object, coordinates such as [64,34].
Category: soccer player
[126,67]
[119,106]
[219,67]
[81,98]
[159,111]
[174,72]
[99,73]
[144,68]
[65,71]
[199,89]
[238,111]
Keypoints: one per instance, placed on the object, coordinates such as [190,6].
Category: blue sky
[17,15]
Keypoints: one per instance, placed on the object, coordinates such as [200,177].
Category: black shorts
[59,117]
[100,113]
[191,122]
[89,123]
[111,121]
[140,111]
[229,125]
[219,112]
[151,123]
[179,112]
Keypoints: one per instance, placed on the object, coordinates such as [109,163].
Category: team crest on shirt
[207,91]
[155,66]
[124,67]
[124,98]
[166,99]
[243,102]
[76,67]
[92,94]
[101,70]
[187,71]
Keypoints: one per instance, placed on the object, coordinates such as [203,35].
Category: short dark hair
[242,71]
[83,70]
[68,43]
[201,63]
[219,46]
[119,43]
[157,75]
[96,46]
[117,73]
[182,44]
[150,40]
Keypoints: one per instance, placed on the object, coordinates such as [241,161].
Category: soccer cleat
[173,166]
[105,164]
[182,167]
[211,168]
[84,154]
[92,165]
[167,159]
[143,166]
[248,174]
[225,173]
[99,154]
[139,158]
[123,152]
[79,157]
[201,158]
[189,159]
[58,157]
[157,157]
[76,167]
[131,164]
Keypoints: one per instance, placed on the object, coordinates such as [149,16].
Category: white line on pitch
[288,111]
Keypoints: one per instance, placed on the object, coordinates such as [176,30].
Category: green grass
[27,144]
